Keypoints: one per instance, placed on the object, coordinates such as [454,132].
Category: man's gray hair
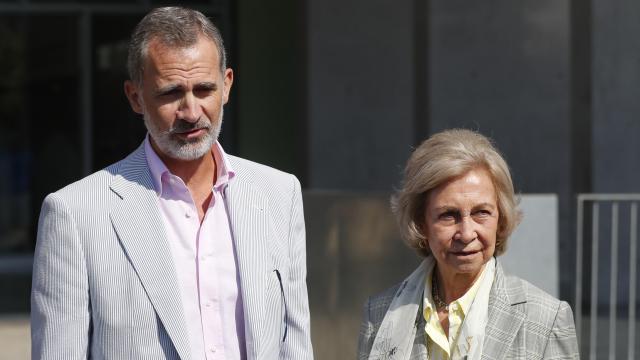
[172,26]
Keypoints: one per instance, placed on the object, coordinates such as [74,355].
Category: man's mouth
[191,134]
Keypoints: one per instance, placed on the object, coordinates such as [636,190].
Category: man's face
[181,96]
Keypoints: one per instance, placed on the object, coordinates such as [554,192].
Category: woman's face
[461,221]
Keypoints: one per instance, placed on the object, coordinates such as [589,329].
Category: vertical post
[86,84]
[579,246]
[593,338]
[613,287]
[579,251]
[633,248]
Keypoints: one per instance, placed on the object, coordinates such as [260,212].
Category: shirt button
[212,350]
[187,215]
[208,304]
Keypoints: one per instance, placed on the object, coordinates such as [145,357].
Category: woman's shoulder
[548,321]
[378,304]
[538,305]
[521,290]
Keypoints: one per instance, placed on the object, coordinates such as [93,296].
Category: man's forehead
[160,45]
[200,55]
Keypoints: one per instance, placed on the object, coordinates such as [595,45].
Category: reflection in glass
[116,129]
[39,123]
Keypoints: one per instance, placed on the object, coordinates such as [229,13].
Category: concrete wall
[616,94]
[360,108]
[532,253]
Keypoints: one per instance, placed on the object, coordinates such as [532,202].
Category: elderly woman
[457,209]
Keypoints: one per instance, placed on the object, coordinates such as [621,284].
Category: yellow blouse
[439,346]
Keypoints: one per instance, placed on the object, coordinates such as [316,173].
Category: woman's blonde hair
[444,156]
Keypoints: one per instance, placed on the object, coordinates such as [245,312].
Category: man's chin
[191,150]
[187,153]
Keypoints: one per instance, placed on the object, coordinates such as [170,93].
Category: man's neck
[194,173]
[198,175]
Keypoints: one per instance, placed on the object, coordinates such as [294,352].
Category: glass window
[187,2]
[106,2]
[116,129]
[39,148]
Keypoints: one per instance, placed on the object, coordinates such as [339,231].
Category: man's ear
[134,95]
[228,81]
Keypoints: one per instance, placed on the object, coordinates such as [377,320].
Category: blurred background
[338,92]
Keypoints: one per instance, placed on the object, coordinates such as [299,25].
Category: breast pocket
[276,306]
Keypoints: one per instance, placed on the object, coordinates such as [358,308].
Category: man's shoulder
[260,173]
[93,183]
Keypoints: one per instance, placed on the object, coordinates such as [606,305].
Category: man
[179,251]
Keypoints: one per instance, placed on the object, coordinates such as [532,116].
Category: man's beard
[181,149]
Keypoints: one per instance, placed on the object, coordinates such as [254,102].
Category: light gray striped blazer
[104,285]
[524,323]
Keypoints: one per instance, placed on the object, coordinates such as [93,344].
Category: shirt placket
[209,284]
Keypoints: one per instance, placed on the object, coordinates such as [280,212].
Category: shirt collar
[159,170]
[463,303]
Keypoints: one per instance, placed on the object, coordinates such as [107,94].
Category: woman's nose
[466,230]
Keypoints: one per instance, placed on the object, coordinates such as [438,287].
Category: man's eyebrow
[167,89]
[206,85]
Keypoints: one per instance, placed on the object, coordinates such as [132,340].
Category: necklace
[440,304]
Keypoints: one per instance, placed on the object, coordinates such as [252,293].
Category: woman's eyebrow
[446,208]
[485,205]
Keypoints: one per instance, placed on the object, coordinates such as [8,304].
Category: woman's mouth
[464,253]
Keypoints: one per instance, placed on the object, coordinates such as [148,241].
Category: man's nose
[189,109]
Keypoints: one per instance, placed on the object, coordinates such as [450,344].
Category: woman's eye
[483,213]
[449,215]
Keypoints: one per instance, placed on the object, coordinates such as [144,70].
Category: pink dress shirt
[205,259]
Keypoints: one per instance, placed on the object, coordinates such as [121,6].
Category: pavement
[15,339]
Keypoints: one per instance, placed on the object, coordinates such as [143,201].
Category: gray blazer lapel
[505,317]
[138,223]
[419,349]
[249,223]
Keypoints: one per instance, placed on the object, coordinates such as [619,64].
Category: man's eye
[203,92]
[169,93]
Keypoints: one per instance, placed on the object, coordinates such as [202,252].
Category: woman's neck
[452,286]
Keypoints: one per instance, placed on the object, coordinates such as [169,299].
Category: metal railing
[612,203]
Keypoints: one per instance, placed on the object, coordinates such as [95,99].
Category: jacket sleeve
[297,343]
[60,309]
[562,343]
[365,340]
